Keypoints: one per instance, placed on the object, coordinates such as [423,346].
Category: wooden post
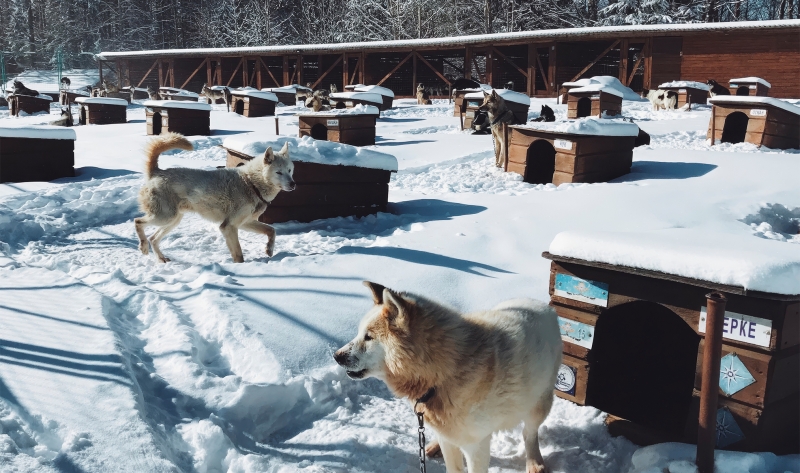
[647,52]
[713,124]
[299,67]
[172,73]
[623,61]
[277,131]
[414,75]
[505,147]
[552,70]
[345,71]
[285,70]
[489,68]
[712,351]
[532,57]
[468,63]
[100,66]
[362,74]
[245,75]
[219,71]
[258,74]
[208,72]
[160,73]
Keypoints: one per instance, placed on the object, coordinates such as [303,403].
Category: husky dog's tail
[156,146]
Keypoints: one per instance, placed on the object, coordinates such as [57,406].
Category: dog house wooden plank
[757,364]
[593,166]
[791,327]
[517,154]
[572,346]
[783,378]
[611,172]
[334,194]
[315,212]
[517,168]
[780,142]
[573,389]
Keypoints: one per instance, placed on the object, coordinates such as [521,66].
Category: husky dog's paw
[270,248]
[536,468]
[144,248]
[164,259]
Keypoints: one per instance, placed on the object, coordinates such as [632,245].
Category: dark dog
[65,120]
[423,97]
[546,115]
[65,82]
[717,89]
[461,84]
[20,89]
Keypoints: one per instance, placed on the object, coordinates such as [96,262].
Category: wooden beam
[552,66]
[623,61]
[362,71]
[647,52]
[398,66]
[414,73]
[172,72]
[531,82]
[219,71]
[160,73]
[147,73]
[481,77]
[298,66]
[467,59]
[355,71]
[635,67]
[245,75]
[459,69]
[345,69]
[545,77]
[285,70]
[601,56]
[194,73]
[327,71]
[489,72]
[508,60]
[100,67]
[258,73]
[208,72]
[272,76]
[233,74]
[425,61]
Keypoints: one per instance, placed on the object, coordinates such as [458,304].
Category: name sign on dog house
[591,292]
[742,328]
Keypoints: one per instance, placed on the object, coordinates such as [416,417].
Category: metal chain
[421,435]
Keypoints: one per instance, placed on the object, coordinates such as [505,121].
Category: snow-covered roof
[375,89]
[44,132]
[102,100]
[596,88]
[608,84]
[83,92]
[553,34]
[256,93]
[287,89]
[46,81]
[740,260]
[364,96]
[577,83]
[678,84]
[359,109]
[755,100]
[587,126]
[509,95]
[177,104]
[174,91]
[750,80]
[309,150]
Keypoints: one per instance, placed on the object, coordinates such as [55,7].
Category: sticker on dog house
[742,328]
[758,112]
[333,122]
[728,431]
[562,144]
[582,290]
[576,332]
[733,375]
[565,380]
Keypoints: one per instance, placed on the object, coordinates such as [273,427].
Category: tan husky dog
[470,375]
[232,197]
[498,113]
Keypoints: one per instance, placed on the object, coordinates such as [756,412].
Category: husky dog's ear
[285,150]
[377,291]
[397,309]
[269,156]
[494,94]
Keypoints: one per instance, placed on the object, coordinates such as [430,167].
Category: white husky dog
[232,197]
[471,374]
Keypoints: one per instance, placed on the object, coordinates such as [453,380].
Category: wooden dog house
[102,110]
[287,95]
[67,97]
[332,180]
[752,86]
[588,150]
[689,92]
[762,121]
[36,153]
[633,342]
[593,101]
[352,126]
[386,94]
[28,104]
[460,102]
[171,93]
[341,100]
[517,102]
[186,118]
[253,103]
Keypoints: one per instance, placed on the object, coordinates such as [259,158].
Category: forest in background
[33,32]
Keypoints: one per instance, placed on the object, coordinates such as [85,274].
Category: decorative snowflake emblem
[733,375]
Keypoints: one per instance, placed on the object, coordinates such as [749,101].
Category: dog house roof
[174,91]
[177,104]
[748,100]
[596,88]
[102,100]
[587,126]
[287,89]
[256,93]
[685,83]
[507,94]
[751,80]
[359,109]
[43,132]
[309,150]
[375,89]
[365,96]
[740,260]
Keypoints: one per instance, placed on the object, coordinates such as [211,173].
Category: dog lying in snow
[232,197]
[545,115]
[66,118]
[473,374]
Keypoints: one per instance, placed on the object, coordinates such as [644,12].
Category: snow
[750,80]
[46,81]
[755,100]
[685,83]
[286,89]
[174,91]
[509,95]
[733,260]
[177,104]
[596,88]
[309,150]
[102,100]
[201,364]
[374,89]
[587,126]
[41,132]
[359,109]
[364,96]
[608,84]
[256,93]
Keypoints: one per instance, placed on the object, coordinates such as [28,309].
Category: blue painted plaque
[566,379]
[728,431]
[583,290]
[733,375]
[576,332]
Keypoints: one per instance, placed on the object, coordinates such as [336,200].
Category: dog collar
[254,189]
[494,122]
[427,396]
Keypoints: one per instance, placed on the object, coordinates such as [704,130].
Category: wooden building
[537,62]
[36,153]
[349,126]
[762,121]
[593,102]
[102,110]
[28,104]
[749,86]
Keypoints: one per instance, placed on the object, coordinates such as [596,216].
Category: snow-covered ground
[112,362]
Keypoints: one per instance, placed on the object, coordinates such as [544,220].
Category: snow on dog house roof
[509,95]
[750,80]
[309,150]
[102,100]
[44,132]
[755,100]
[177,104]
[287,89]
[359,109]
[365,96]
[256,93]
[374,89]
[587,126]
[740,260]
[686,83]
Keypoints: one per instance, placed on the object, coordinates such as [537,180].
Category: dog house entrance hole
[743,90]
[341,104]
[319,132]
[735,128]
[540,162]
[239,107]
[83,115]
[642,365]
[157,123]
[584,107]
